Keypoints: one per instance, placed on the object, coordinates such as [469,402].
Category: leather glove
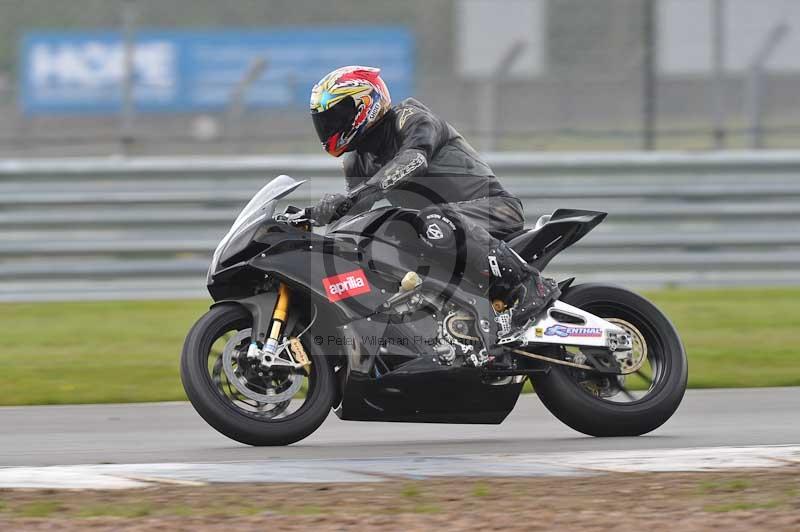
[329,209]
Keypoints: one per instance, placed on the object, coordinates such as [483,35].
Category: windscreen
[258,209]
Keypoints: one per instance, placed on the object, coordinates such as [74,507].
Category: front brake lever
[297,219]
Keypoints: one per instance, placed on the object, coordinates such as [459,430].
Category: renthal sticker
[346,285]
[399,173]
[563,331]
[539,331]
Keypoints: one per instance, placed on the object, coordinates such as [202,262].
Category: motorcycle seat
[553,233]
[528,232]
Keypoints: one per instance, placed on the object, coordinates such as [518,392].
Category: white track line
[121,476]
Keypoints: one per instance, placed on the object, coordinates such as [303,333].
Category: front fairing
[383,223]
[258,210]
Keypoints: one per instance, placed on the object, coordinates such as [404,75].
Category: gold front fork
[279,316]
[278,319]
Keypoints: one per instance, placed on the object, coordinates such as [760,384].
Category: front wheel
[631,405]
[240,398]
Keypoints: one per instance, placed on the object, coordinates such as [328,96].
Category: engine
[457,339]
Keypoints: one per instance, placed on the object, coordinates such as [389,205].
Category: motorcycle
[362,321]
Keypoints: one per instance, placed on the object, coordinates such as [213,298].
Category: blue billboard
[184,71]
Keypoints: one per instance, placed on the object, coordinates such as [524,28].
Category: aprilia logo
[346,285]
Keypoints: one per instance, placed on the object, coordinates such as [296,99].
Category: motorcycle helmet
[345,104]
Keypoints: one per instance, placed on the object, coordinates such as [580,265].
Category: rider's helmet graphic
[345,104]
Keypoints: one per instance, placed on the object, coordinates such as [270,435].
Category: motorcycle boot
[520,285]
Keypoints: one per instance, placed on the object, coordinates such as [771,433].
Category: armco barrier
[146,227]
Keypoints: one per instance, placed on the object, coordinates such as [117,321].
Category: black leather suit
[416,160]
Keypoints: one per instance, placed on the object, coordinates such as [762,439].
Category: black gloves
[329,209]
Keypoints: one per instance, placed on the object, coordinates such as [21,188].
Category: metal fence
[599,75]
[145,228]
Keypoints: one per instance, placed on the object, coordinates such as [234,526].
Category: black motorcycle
[363,321]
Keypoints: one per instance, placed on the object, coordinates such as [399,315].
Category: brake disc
[638,353]
[240,382]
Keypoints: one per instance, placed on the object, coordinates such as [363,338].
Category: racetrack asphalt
[173,432]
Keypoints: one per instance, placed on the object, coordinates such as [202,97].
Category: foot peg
[478,360]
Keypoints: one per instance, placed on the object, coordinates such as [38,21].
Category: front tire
[562,392]
[240,419]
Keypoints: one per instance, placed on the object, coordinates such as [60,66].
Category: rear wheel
[630,405]
[240,398]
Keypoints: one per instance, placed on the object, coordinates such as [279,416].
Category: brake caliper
[299,353]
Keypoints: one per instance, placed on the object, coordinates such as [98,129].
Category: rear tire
[560,392]
[221,414]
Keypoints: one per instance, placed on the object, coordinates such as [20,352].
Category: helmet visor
[338,118]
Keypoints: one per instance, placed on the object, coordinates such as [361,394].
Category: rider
[412,158]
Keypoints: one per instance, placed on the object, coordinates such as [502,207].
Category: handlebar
[294,217]
[354,194]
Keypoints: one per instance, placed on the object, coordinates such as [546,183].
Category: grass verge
[128,351]
[732,501]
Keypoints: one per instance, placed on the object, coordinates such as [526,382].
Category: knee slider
[435,229]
